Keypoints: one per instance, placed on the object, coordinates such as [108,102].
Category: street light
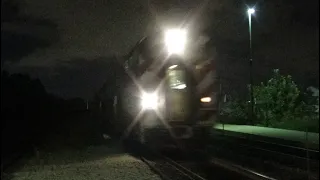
[250,12]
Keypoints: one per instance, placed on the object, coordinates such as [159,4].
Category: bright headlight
[149,101]
[175,40]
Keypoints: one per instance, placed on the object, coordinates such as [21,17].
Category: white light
[205,99]
[173,66]
[149,101]
[251,11]
[175,40]
[181,86]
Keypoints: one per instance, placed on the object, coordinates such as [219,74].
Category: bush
[235,111]
[279,104]
[277,100]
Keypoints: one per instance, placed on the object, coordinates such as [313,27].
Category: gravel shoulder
[94,162]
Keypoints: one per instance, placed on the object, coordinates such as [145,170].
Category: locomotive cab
[181,98]
[160,99]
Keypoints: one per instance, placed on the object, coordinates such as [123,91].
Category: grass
[291,135]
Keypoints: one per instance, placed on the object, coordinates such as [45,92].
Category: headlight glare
[175,40]
[149,101]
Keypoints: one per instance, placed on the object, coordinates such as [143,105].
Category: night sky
[85,35]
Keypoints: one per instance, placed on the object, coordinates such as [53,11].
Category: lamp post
[250,12]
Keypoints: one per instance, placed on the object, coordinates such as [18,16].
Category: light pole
[250,12]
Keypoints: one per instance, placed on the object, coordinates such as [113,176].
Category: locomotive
[167,91]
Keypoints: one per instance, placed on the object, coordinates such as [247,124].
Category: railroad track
[170,169]
[277,160]
[289,155]
[288,148]
[194,165]
[164,166]
[251,174]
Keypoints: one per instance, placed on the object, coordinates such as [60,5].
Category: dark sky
[87,29]
[91,32]
[96,28]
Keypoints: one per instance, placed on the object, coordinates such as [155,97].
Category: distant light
[175,40]
[251,11]
[173,66]
[205,99]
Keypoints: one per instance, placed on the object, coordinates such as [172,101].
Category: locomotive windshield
[177,79]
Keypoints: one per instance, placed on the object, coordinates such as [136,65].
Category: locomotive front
[169,94]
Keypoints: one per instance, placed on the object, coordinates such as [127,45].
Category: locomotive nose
[182,132]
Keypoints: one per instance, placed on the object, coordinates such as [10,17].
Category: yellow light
[205,99]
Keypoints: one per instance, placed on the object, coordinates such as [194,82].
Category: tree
[235,111]
[277,100]
[280,104]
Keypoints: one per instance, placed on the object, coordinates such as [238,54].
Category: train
[165,92]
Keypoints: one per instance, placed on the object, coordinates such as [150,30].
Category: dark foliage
[24,102]
[29,115]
